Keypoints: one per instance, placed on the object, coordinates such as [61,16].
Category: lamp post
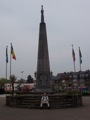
[22,74]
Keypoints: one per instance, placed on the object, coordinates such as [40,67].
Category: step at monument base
[33,101]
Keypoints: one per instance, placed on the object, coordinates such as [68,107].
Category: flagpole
[10,61]
[6,60]
[74,66]
[79,59]
[12,55]
[73,59]
[73,53]
[80,69]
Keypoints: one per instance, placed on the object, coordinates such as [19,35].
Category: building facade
[76,79]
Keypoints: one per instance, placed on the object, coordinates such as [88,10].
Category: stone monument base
[33,101]
[43,90]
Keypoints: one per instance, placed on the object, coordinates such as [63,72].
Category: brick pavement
[80,113]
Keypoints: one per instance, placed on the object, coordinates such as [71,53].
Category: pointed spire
[42,16]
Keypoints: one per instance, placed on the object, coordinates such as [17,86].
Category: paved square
[79,113]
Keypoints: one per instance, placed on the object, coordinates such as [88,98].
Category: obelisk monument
[43,74]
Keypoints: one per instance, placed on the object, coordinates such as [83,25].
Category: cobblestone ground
[79,113]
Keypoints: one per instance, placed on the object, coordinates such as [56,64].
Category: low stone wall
[32,101]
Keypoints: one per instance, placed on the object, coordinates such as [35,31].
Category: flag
[73,55]
[6,54]
[80,56]
[12,53]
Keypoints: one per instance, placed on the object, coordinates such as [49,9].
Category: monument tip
[41,7]
[42,14]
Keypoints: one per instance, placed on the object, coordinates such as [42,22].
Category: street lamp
[22,74]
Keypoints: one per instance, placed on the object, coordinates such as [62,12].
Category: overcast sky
[67,23]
